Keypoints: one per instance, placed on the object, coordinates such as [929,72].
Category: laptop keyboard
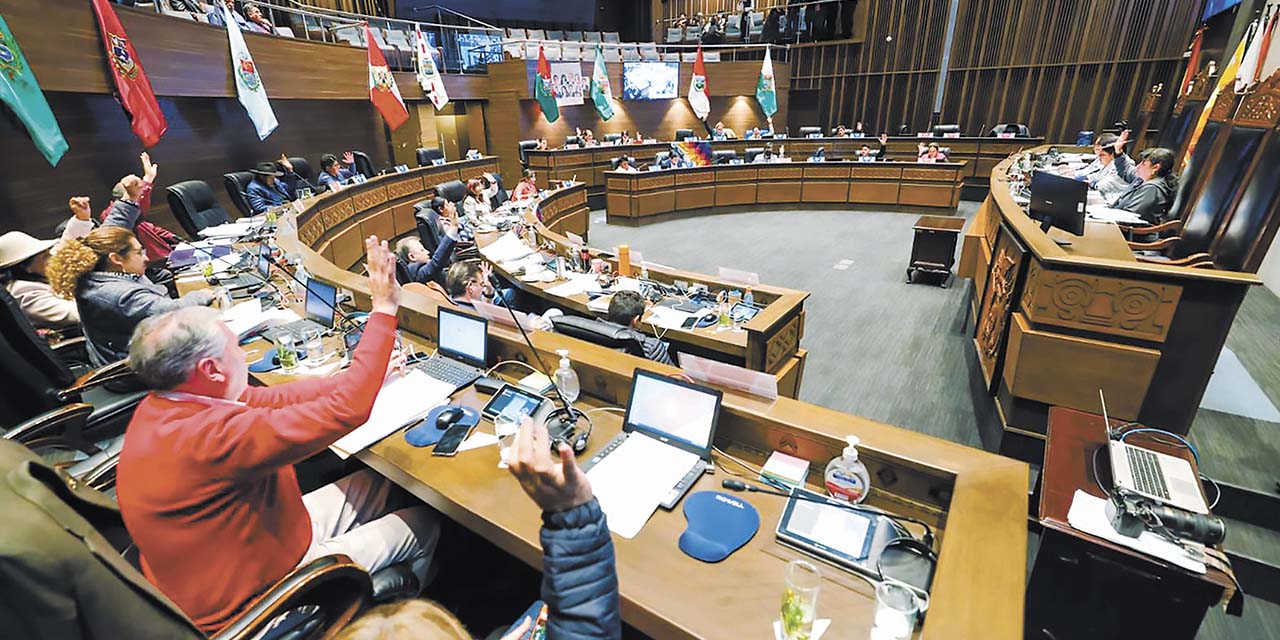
[446,370]
[295,329]
[1147,476]
[241,281]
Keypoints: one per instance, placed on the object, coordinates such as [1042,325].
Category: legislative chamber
[660,319]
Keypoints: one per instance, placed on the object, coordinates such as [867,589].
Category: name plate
[925,134]
[1005,135]
[951,135]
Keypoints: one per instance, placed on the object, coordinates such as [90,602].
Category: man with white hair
[206,482]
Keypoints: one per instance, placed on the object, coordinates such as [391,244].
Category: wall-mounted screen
[650,80]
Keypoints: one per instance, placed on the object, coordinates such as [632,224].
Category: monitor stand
[1047,223]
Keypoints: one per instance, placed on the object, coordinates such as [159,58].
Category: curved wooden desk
[1055,324]
[976,500]
[633,197]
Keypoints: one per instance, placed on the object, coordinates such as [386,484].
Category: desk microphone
[738,485]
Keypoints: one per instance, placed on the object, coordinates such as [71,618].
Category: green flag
[19,90]
[600,92]
[542,91]
[766,94]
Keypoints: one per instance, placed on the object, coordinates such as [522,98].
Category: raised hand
[80,207]
[284,162]
[149,168]
[1121,141]
[884,139]
[348,158]
[383,288]
[553,484]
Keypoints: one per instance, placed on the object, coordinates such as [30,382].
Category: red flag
[133,90]
[1265,47]
[1193,64]
[382,86]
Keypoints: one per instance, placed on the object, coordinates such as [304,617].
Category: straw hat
[16,247]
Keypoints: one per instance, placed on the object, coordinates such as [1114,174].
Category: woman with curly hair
[102,272]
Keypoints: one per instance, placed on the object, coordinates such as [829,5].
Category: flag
[19,90]
[542,90]
[428,76]
[382,86]
[766,93]
[133,90]
[1225,80]
[601,95]
[1266,66]
[698,152]
[699,89]
[249,87]
[1193,64]
[1249,64]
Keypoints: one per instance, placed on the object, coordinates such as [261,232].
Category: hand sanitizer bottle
[566,378]
[846,477]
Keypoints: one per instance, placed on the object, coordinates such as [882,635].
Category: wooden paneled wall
[1057,67]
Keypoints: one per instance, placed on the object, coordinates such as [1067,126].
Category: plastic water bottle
[566,378]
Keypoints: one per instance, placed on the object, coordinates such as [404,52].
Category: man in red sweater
[206,482]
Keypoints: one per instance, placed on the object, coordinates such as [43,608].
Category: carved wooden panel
[1149,101]
[1131,308]
[564,159]
[333,215]
[654,182]
[618,184]
[781,173]
[365,200]
[1262,107]
[826,172]
[405,188]
[997,301]
[782,345]
[873,171]
[311,231]
[1224,107]
[695,177]
[939,175]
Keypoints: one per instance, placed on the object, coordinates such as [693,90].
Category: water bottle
[566,378]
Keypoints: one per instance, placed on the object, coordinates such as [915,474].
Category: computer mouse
[448,417]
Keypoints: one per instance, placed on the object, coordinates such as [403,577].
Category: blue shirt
[327,180]
[262,197]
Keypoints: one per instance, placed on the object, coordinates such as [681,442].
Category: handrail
[360,17]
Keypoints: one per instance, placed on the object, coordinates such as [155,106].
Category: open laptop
[1160,477]
[677,414]
[322,299]
[256,278]
[462,348]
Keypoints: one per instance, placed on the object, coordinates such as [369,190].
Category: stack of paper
[1089,514]
[401,400]
[506,248]
[248,316]
[667,318]
[228,230]
[634,479]
[1107,214]
[576,284]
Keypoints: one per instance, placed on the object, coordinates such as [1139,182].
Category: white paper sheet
[506,248]
[667,318]
[1089,514]
[1107,214]
[576,284]
[633,480]
[478,440]
[819,627]
[401,400]
[248,316]
[228,230]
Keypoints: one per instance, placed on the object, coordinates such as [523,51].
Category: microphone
[738,485]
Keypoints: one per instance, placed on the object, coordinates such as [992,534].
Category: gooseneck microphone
[738,485]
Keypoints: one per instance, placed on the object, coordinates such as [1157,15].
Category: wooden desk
[1115,592]
[933,249]
[635,198]
[977,500]
[1054,324]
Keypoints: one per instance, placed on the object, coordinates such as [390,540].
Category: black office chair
[427,225]
[904,130]
[943,129]
[303,169]
[750,154]
[502,196]
[428,155]
[193,204]
[613,163]
[612,137]
[805,132]
[237,185]
[526,145]
[605,334]
[724,156]
[681,134]
[1017,129]
[363,164]
[662,159]
[454,191]
[568,140]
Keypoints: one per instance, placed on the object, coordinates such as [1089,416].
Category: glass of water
[800,600]
[505,426]
[286,352]
[898,608]
[313,345]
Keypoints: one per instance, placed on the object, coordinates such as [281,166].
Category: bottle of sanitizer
[566,378]
[846,477]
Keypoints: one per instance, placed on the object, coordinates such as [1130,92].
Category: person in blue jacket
[267,189]
[425,266]
[579,579]
[332,172]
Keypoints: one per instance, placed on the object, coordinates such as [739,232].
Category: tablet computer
[840,535]
[513,401]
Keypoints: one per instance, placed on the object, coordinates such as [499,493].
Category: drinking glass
[505,427]
[800,600]
[286,351]
[313,345]
[898,608]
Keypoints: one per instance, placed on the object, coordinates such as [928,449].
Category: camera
[1131,514]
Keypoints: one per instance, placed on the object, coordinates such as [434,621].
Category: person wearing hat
[332,173]
[22,267]
[267,190]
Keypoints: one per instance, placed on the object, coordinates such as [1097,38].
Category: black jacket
[580,576]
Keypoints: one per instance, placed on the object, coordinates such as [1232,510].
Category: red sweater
[207,487]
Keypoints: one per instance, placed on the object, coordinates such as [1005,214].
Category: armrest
[1193,260]
[77,342]
[113,372]
[334,584]
[62,427]
[1168,225]
[1159,245]
[72,351]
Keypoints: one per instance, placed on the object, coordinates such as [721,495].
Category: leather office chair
[193,204]
[237,185]
[428,228]
[750,154]
[613,163]
[526,145]
[427,155]
[605,334]
[568,140]
[943,129]
[363,164]
[1244,239]
[1188,181]
[453,191]
[1017,129]
[681,134]
[805,132]
[612,137]
[303,169]
[723,156]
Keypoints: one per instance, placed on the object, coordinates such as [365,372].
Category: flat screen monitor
[676,412]
[650,80]
[322,297]
[1058,201]
[463,336]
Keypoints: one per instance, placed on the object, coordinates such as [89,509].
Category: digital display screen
[662,406]
[650,80]
[840,530]
[463,336]
[513,402]
[321,299]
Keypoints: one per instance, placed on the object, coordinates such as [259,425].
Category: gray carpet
[906,363]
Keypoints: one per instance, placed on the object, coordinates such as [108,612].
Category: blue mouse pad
[719,524]
[426,434]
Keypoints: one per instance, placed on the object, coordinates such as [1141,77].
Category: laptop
[462,350]
[261,273]
[1164,478]
[679,415]
[322,299]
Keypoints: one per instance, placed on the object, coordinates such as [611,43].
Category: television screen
[650,80]
[1214,7]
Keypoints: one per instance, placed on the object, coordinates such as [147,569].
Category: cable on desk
[506,362]
[1186,443]
[745,465]
[1097,478]
[597,409]
[1217,490]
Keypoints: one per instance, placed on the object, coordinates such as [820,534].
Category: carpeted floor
[906,363]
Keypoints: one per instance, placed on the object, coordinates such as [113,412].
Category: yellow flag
[1226,81]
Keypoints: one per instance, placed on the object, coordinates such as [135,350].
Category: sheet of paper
[633,480]
[477,440]
[228,230]
[1107,214]
[667,318]
[626,284]
[1089,514]
[577,284]
[819,627]
[248,316]
[401,400]
[506,248]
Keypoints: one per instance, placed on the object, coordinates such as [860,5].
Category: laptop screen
[264,262]
[322,297]
[463,337]
[667,408]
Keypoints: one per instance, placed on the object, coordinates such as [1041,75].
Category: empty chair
[675,35]
[514,50]
[733,30]
[555,35]
[573,36]
[723,156]
[303,169]
[552,51]
[944,129]
[568,140]
[572,51]
[237,185]
[591,36]
[611,36]
[285,31]
[711,56]
[194,205]
[531,50]
[681,134]
[612,137]
[605,334]
[649,51]
[810,132]
[756,28]
[537,34]
[671,56]
[351,34]
[1243,240]
[612,54]
[693,34]
[516,34]
[363,164]
[1018,130]
[689,56]
[453,191]
[428,155]
[526,145]
[630,54]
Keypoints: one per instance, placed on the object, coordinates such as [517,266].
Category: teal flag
[19,90]
[601,95]
[766,93]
